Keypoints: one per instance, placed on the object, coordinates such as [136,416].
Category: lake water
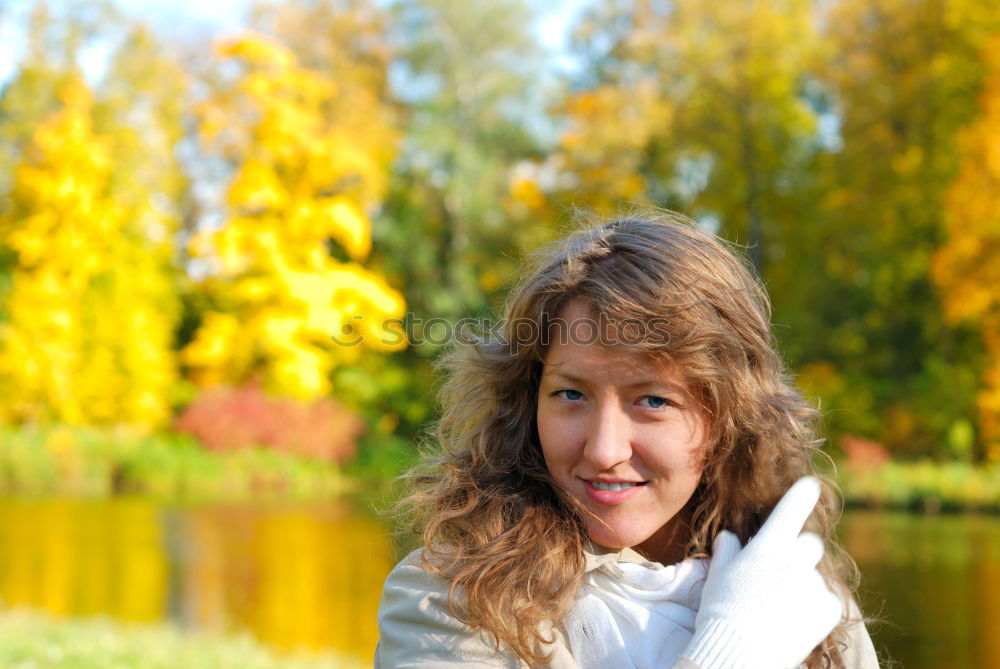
[298,576]
[310,575]
[935,583]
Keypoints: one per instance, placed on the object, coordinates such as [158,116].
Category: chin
[607,539]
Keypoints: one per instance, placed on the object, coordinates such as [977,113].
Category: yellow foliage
[528,192]
[216,338]
[305,174]
[610,127]
[967,267]
[258,50]
[256,186]
[343,220]
[90,315]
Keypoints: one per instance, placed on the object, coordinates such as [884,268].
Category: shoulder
[417,630]
[860,651]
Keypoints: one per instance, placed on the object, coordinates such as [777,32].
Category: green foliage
[902,78]
[822,137]
[29,639]
[711,98]
[451,234]
[381,457]
[819,135]
[924,486]
[88,462]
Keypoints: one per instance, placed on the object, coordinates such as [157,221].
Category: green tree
[904,77]
[819,135]
[466,73]
[713,109]
[708,103]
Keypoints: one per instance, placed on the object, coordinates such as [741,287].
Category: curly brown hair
[508,540]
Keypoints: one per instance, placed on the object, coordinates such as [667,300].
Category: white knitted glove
[766,606]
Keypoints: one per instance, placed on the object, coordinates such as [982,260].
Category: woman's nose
[608,438]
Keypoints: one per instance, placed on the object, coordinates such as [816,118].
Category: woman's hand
[766,606]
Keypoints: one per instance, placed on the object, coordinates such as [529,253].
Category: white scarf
[635,616]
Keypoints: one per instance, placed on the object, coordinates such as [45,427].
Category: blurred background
[234,236]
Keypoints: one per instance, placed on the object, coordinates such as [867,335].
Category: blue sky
[556,14]
[221,16]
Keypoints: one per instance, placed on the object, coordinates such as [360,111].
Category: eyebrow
[572,378]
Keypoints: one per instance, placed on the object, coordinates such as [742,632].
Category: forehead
[623,325]
[584,346]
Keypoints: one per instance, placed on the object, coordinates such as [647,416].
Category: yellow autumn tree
[89,318]
[967,267]
[286,276]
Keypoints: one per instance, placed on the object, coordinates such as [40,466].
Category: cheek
[685,451]
[556,436]
[547,434]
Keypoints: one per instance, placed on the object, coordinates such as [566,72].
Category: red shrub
[228,418]
[863,454]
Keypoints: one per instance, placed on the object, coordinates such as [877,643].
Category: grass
[32,640]
[923,486]
[90,462]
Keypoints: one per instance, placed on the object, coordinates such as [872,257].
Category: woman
[603,464]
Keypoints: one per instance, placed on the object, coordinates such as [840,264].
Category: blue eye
[654,402]
[569,394]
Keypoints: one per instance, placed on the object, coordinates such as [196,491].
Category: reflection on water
[295,576]
[935,581]
[311,575]
[84,558]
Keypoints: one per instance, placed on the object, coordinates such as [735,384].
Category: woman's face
[622,433]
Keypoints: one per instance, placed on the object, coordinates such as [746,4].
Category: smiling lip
[611,492]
